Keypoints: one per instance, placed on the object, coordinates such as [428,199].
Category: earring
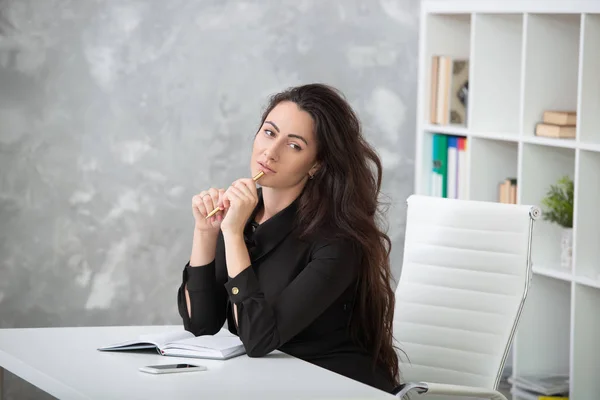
[311,176]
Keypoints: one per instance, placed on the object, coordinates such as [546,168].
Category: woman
[299,265]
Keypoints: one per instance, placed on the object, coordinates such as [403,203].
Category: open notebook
[181,343]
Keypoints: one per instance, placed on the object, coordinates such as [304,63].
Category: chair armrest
[452,390]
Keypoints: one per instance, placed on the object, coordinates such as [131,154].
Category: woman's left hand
[239,201]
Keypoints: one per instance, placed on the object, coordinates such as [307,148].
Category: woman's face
[285,147]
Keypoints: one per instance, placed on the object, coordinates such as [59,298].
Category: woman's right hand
[202,204]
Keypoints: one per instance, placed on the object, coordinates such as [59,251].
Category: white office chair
[464,280]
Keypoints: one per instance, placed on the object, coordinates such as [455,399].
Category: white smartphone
[172,368]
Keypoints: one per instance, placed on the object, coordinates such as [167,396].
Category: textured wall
[113,114]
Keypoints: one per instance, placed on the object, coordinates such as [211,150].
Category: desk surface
[65,362]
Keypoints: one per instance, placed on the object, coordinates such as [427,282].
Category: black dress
[296,297]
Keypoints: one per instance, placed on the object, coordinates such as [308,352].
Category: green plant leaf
[558,203]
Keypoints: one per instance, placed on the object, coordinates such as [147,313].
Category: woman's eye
[295,146]
[268,132]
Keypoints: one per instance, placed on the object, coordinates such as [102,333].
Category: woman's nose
[272,152]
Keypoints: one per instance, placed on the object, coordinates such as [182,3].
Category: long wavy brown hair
[344,196]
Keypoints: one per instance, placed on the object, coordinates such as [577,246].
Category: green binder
[440,162]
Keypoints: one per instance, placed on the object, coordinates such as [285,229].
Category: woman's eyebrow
[274,126]
[292,135]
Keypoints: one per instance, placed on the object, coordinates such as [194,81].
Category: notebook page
[163,338]
[217,342]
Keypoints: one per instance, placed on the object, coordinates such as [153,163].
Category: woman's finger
[236,194]
[241,186]
[208,203]
[251,186]
[214,194]
[198,203]
[219,203]
[226,203]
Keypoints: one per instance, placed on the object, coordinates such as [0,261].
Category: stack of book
[551,387]
[449,173]
[507,191]
[449,90]
[557,124]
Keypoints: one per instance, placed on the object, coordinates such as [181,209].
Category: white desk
[65,363]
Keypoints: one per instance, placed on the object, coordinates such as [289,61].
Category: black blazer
[296,297]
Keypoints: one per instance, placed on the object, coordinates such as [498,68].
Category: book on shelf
[557,124]
[541,385]
[557,117]
[463,171]
[507,191]
[449,90]
[181,343]
[452,171]
[449,174]
[555,131]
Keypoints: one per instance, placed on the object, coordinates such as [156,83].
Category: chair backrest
[464,280]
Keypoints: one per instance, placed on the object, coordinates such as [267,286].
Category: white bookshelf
[526,57]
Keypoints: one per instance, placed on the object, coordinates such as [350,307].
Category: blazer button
[235,290]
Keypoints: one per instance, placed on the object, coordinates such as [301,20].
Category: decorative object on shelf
[559,210]
[449,90]
[459,92]
[557,124]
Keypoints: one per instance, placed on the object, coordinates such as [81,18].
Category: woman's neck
[275,200]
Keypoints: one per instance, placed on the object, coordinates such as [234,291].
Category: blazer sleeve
[208,300]
[265,326]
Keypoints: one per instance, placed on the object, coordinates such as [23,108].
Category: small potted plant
[558,209]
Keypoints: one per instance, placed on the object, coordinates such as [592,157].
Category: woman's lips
[265,169]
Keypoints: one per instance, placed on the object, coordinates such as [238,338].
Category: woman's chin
[265,183]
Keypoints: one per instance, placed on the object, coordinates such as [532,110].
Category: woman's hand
[202,204]
[239,200]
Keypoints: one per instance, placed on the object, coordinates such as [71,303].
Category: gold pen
[216,210]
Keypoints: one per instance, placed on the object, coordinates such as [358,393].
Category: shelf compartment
[495,84]
[428,178]
[541,167]
[587,216]
[550,66]
[445,34]
[492,161]
[543,335]
[589,117]
[586,346]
